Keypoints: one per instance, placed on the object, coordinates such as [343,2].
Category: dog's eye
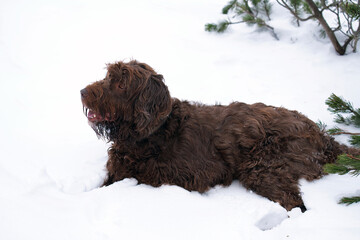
[109,77]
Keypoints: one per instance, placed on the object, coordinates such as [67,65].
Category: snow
[52,164]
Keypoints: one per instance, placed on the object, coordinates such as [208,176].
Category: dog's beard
[118,130]
[105,130]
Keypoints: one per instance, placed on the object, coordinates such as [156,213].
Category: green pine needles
[352,8]
[349,200]
[339,107]
[252,12]
[346,163]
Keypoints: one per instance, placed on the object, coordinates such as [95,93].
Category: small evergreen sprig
[351,8]
[339,106]
[251,12]
[346,163]
[349,200]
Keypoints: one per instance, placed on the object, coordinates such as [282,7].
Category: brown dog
[161,140]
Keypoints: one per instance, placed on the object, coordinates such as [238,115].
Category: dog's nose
[83,93]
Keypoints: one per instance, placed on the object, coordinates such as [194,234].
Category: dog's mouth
[95,117]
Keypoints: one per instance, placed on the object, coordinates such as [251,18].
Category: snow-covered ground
[51,162]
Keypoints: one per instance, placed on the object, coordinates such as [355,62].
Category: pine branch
[252,12]
[338,105]
[349,200]
[345,163]
[252,18]
[230,5]
[355,141]
[294,13]
[333,169]
[339,131]
[353,157]
[267,8]
[352,9]
[341,119]
[335,131]
[219,28]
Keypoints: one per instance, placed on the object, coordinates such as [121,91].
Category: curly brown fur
[161,140]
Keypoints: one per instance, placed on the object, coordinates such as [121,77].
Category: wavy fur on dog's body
[161,140]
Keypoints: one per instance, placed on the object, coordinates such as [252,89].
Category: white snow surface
[52,164]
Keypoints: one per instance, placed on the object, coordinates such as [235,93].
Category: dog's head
[131,101]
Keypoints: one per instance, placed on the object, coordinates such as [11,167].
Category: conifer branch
[252,12]
[349,200]
[345,163]
[355,141]
[343,132]
[338,105]
[294,13]
[352,157]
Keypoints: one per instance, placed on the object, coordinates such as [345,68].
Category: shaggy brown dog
[161,140]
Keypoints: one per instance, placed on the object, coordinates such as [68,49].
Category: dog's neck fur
[121,131]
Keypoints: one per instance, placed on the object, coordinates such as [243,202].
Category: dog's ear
[152,106]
